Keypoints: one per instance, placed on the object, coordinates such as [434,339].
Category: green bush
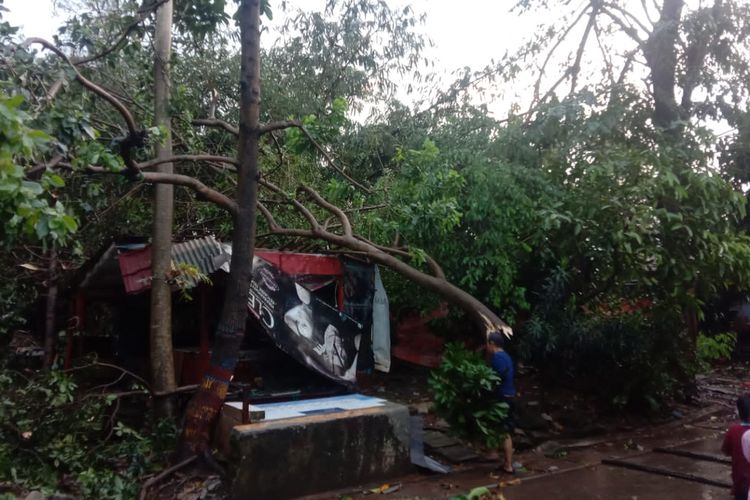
[625,356]
[465,392]
[713,348]
[635,360]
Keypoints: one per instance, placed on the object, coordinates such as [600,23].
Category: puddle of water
[604,482]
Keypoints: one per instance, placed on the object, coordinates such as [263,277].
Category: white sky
[464,33]
[470,32]
[467,33]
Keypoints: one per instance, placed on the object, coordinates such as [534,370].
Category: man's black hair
[498,339]
[743,407]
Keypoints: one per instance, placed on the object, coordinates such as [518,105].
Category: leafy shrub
[629,360]
[713,348]
[465,391]
[634,357]
[56,437]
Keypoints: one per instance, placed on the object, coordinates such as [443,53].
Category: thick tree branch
[41,167]
[201,189]
[197,186]
[387,256]
[88,84]
[345,224]
[215,122]
[280,125]
[314,224]
[272,224]
[183,158]
[576,68]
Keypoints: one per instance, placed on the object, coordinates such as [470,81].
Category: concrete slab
[299,456]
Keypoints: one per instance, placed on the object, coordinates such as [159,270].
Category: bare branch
[648,14]
[281,125]
[605,56]
[272,224]
[201,189]
[404,252]
[486,319]
[629,15]
[88,84]
[301,208]
[368,208]
[215,122]
[345,224]
[280,151]
[547,59]
[576,68]
[332,163]
[55,88]
[626,28]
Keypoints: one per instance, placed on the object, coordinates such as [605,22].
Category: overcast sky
[466,33]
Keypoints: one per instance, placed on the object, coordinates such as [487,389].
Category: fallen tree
[204,407]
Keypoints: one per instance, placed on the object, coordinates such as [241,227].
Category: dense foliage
[601,220]
[465,392]
[57,436]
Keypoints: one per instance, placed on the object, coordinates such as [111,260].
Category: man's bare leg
[508,451]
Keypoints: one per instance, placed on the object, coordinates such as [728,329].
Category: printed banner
[304,326]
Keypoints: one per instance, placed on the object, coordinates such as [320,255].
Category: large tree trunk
[162,361]
[50,335]
[660,52]
[205,405]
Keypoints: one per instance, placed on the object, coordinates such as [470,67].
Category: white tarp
[381,326]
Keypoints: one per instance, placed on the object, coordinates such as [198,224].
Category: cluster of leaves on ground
[466,396]
[58,437]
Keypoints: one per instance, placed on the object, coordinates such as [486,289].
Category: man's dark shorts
[509,424]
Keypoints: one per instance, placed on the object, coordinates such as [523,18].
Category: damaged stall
[315,321]
[325,313]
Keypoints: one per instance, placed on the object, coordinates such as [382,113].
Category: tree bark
[662,62]
[162,361]
[205,405]
[50,335]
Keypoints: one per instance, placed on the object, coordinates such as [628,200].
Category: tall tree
[205,406]
[162,362]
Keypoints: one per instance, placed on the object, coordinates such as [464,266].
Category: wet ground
[679,458]
[582,475]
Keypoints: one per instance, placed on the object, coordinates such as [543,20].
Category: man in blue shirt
[503,366]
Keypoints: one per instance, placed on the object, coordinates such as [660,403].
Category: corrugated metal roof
[205,254]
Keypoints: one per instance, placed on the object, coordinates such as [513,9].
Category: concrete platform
[299,456]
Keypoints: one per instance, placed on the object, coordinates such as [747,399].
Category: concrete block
[300,456]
